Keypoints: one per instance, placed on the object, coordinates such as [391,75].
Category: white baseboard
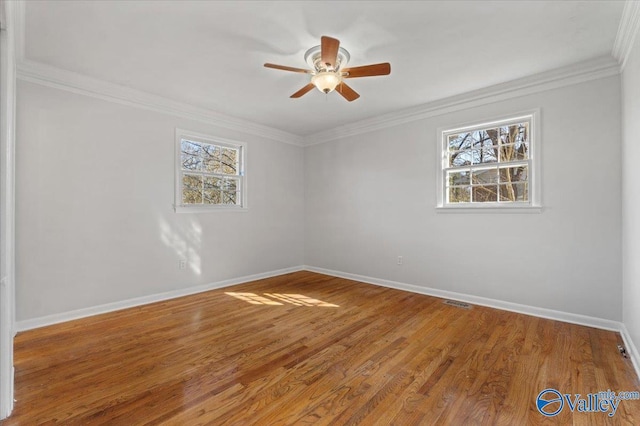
[477,300]
[144,300]
[632,350]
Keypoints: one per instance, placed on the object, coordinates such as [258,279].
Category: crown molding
[627,30]
[46,75]
[39,73]
[35,72]
[601,67]
[596,68]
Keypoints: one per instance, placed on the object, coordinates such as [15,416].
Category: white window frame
[179,207]
[533,205]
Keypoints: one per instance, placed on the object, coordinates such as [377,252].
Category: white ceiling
[211,54]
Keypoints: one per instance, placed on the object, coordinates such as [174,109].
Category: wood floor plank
[309,348]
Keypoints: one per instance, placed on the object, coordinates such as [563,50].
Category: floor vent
[457,304]
[622,351]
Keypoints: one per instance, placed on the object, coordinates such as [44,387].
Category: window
[209,173]
[489,165]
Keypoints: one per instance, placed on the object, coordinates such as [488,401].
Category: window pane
[483,155]
[460,158]
[229,197]
[514,192]
[486,193]
[486,138]
[514,133]
[211,183]
[485,176]
[505,136]
[513,174]
[477,137]
[515,141]
[189,147]
[522,149]
[522,191]
[514,152]
[212,190]
[191,189]
[212,196]
[460,141]
[475,156]
[229,185]
[190,155]
[460,194]
[191,162]
[488,155]
[229,161]
[211,158]
[458,178]
[523,133]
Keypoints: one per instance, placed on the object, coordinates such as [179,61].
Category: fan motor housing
[313,57]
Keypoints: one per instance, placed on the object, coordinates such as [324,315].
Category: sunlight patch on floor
[253,298]
[300,300]
[293,299]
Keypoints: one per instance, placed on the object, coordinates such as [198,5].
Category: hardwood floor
[269,354]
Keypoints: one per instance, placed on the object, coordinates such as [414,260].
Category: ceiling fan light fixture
[327,62]
[326,81]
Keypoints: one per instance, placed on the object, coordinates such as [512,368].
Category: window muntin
[488,165]
[210,173]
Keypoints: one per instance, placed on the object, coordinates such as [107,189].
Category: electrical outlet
[399,260]
[183,264]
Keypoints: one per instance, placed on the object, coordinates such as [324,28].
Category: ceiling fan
[328,61]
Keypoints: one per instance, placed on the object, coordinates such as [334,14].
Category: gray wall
[631,192]
[371,198]
[95,223]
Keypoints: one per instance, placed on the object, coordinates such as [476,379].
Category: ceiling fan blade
[367,70]
[285,68]
[347,92]
[329,50]
[302,91]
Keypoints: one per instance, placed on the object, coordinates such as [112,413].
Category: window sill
[489,209]
[208,209]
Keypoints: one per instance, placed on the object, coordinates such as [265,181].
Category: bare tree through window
[488,164]
[210,173]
